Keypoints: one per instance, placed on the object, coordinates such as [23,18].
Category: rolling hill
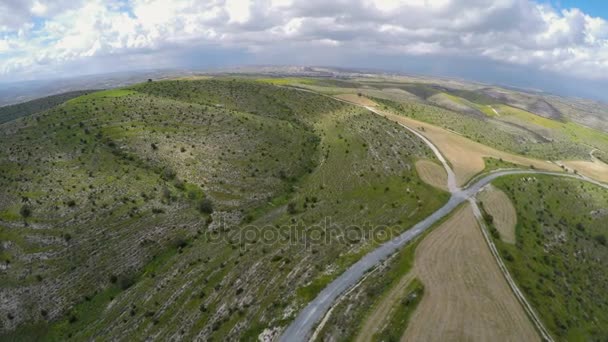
[219,207]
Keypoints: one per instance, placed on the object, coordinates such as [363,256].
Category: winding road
[301,327]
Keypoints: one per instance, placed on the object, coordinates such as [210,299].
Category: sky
[555,45]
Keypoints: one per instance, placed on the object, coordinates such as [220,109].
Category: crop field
[502,213]
[433,174]
[560,253]
[467,156]
[595,169]
[445,285]
[151,188]
[465,295]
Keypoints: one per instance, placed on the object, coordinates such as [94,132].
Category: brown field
[354,98]
[377,319]
[592,169]
[466,297]
[466,156]
[432,174]
[498,204]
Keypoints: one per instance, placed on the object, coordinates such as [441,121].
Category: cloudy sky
[556,45]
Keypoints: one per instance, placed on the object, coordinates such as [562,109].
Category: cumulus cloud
[38,34]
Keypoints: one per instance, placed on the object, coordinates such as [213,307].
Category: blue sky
[597,8]
[560,46]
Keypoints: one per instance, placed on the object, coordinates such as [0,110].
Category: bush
[126,281]
[291,208]
[205,206]
[488,218]
[25,211]
[495,233]
[168,174]
[601,239]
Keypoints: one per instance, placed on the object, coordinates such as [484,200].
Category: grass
[399,316]
[559,252]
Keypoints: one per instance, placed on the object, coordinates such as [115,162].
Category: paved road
[301,328]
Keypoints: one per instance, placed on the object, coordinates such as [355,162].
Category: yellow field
[498,204]
[466,297]
[466,156]
[595,169]
[432,174]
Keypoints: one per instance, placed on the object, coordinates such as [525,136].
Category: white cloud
[519,32]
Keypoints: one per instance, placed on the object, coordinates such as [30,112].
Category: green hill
[193,208]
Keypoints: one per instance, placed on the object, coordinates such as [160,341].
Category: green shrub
[205,206]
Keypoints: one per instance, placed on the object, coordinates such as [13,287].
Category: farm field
[466,297]
[467,156]
[595,169]
[432,174]
[503,215]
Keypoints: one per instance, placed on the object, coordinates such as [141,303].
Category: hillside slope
[12,112]
[124,213]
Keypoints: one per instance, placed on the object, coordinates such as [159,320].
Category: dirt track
[498,204]
[466,296]
[432,173]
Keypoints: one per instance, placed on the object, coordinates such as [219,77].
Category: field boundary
[505,272]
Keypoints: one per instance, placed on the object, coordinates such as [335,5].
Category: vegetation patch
[559,252]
